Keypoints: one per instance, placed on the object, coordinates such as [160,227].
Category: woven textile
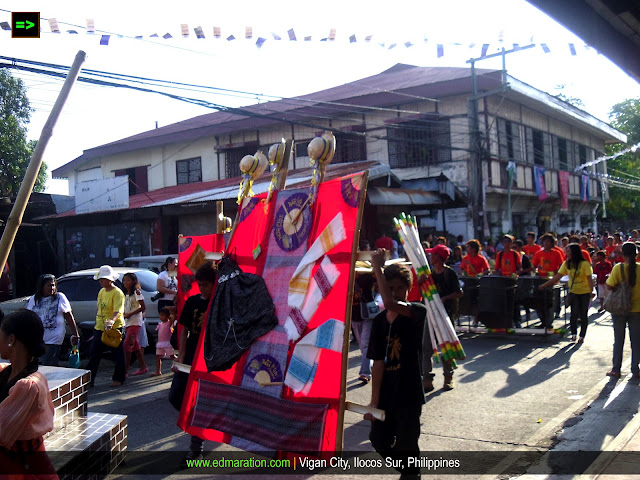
[279,266]
[306,355]
[318,289]
[331,236]
[275,423]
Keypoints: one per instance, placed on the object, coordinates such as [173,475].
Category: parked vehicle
[150,262]
[82,291]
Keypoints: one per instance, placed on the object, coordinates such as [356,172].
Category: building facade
[416,121]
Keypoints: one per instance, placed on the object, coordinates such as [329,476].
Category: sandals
[364,379]
[115,384]
[613,374]
[140,371]
[156,374]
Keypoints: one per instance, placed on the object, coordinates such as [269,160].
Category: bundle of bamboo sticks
[441,329]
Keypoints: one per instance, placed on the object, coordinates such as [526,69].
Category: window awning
[402,196]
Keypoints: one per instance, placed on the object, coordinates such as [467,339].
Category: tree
[625,116]
[15,149]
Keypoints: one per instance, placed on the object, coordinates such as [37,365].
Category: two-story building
[415,122]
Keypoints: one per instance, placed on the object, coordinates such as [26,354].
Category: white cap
[106,272]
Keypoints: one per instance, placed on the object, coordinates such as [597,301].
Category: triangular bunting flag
[167,36]
[248,32]
[260,41]
[572,49]
[184,28]
[216,32]
[332,34]
[91,27]
[53,25]
[104,40]
[199,32]
[440,50]
[5,26]
[292,35]
[352,39]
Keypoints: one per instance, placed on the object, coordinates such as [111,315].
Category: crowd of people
[389,321]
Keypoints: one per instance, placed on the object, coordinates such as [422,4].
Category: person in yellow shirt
[629,275]
[109,315]
[580,289]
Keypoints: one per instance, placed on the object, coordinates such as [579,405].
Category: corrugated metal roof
[402,196]
[391,87]
[228,188]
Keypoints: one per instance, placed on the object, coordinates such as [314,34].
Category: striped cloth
[319,288]
[306,354]
[332,235]
[275,423]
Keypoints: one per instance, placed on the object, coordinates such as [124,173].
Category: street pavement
[519,396]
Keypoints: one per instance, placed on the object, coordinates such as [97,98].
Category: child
[602,268]
[163,347]
[396,350]
[133,309]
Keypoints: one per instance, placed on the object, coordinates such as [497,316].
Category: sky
[96,115]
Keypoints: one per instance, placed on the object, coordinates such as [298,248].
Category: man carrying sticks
[396,350]
[448,286]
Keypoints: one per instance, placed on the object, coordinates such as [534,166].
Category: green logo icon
[27,26]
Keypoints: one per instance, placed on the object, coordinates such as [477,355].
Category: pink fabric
[131,343]
[164,334]
[27,412]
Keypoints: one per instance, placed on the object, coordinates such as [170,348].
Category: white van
[149,262]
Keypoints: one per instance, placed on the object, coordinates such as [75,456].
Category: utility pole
[478,154]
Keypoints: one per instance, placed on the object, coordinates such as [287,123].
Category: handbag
[618,302]
[112,337]
[567,299]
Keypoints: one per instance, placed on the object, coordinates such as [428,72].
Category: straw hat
[106,272]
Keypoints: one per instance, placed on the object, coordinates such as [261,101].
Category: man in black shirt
[396,350]
[448,286]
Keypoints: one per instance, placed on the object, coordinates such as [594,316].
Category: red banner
[563,181]
[223,405]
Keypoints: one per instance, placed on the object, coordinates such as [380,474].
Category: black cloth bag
[242,311]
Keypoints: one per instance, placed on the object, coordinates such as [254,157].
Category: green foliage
[15,149]
[623,203]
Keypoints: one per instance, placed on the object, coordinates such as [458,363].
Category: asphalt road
[513,394]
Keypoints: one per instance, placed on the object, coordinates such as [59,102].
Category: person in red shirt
[610,249]
[548,260]
[531,248]
[384,242]
[508,262]
[583,246]
[617,241]
[474,264]
[602,268]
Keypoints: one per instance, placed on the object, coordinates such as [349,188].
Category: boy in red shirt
[531,248]
[507,261]
[602,268]
[473,264]
[548,260]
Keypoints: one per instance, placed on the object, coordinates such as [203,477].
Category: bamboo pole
[284,168]
[15,217]
[347,319]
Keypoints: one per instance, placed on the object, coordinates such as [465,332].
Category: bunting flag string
[598,160]
[250,33]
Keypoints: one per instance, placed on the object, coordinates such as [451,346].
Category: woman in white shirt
[133,310]
[54,310]
[168,283]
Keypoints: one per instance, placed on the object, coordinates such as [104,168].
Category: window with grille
[351,147]
[509,140]
[189,171]
[232,160]
[420,142]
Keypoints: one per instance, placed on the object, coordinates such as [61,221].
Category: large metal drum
[496,301]
[471,291]
[544,302]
